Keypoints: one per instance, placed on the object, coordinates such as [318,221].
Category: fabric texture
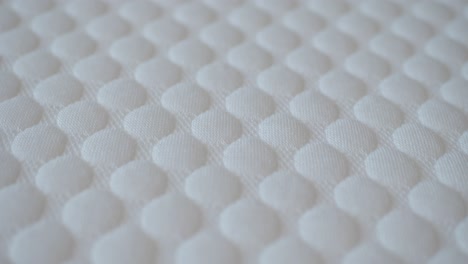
[233,131]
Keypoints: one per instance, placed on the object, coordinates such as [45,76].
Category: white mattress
[233,131]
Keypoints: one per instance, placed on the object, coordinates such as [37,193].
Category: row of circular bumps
[312,223]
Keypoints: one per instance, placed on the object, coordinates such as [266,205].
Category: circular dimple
[219,77]
[280,81]
[39,143]
[249,223]
[329,9]
[447,50]
[138,180]
[107,28]
[187,99]
[65,175]
[164,31]
[393,48]
[58,90]
[451,170]
[39,239]
[437,203]
[9,167]
[250,156]
[359,26]
[207,248]
[19,113]
[318,226]
[124,245]
[412,29]
[18,41]
[179,152]
[216,127]
[309,62]
[158,73]
[21,205]
[367,66]
[382,11]
[99,68]
[171,217]
[455,92]
[392,168]
[418,142]
[85,10]
[8,19]
[275,6]
[10,85]
[74,45]
[407,235]
[249,18]
[249,57]
[456,28]
[91,213]
[282,130]
[296,19]
[461,235]
[250,103]
[289,250]
[82,118]
[312,107]
[213,187]
[351,137]
[287,192]
[442,117]
[149,122]
[277,39]
[437,13]
[321,163]
[362,198]
[221,35]
[403,91]
[341,86]
[122,94]
[463,141]
[52,24]
[370,254]
[140,12]
[132,49]
[36,65]
[223,4]
[108,147]
[334,43]
[190,53]
[377,112]
[426,70]
[194,14]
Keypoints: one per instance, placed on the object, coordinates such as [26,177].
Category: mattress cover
[233,131]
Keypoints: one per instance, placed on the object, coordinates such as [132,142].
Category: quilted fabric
[233,131]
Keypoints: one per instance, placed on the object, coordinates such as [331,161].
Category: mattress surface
[233,131]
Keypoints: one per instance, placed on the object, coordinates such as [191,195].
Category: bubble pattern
[233,131]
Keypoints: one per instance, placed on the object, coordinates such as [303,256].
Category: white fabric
[233,131]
